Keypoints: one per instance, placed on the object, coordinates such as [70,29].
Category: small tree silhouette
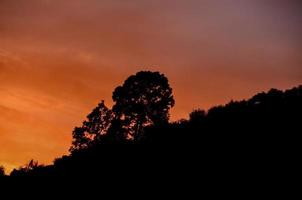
[144,99]
[97,124]
[197,116]
[2,171]
[31,165]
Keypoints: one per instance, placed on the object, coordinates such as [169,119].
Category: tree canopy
[144,99]
[97,124]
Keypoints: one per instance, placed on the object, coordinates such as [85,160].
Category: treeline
[136,132]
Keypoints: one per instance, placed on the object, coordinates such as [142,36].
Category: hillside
[267,125]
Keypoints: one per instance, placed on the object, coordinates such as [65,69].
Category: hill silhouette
[136,135]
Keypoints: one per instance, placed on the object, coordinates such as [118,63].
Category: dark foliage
[97,124]
[144,99]
[2,171]
[31,168]
[267,125]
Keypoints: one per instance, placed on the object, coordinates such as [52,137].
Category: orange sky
[59,58]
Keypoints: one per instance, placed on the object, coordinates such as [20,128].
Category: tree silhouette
[268,122]
[97,124]
[197,116]
[31,167]
[144,99]
[2,171]
[32,164]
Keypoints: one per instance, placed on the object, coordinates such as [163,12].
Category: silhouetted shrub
[2,171]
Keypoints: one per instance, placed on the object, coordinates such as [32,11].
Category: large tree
[143,99]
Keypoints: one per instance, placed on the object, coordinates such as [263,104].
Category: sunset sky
[59,58]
